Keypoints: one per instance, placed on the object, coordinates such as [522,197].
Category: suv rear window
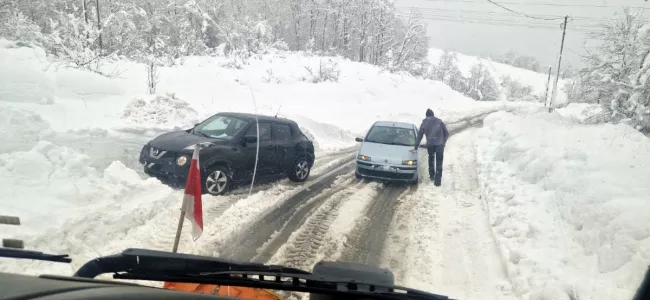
[281,132]
[265,131]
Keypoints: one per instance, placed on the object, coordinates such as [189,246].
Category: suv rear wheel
[300,169]
[217,181]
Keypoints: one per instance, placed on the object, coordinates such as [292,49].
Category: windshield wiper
[152,261]
[140,264]
[392,143]
[202,134]
[28,254]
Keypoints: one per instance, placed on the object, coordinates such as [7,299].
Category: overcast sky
[462,25]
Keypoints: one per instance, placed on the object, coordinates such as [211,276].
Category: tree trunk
[324,30]
[99,27]
[85,11]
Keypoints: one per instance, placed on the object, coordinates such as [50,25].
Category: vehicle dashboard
[14,287]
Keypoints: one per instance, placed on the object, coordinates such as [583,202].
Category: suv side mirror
[358,140]
[250,139]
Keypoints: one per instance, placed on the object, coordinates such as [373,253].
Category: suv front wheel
[300,169]
[217,181]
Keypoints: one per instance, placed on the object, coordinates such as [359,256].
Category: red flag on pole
[192,204]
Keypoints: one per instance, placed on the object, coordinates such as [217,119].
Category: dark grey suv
[229,157]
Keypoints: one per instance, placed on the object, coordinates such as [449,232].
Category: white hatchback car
[384,153]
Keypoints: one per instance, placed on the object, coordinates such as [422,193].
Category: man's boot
[437,181]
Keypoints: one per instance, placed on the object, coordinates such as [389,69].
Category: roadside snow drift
[568,204]
[161,112]
[19,129]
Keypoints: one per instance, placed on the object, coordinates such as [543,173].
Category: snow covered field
[533,205]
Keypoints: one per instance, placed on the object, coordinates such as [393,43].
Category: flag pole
[178,231]
[197,147]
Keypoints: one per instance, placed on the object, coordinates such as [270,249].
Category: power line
[539,4]
[491,13]
[501,22]
[521,13]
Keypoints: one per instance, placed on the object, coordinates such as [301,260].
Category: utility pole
[548,84]
[559,64]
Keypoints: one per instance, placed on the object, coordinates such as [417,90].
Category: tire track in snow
[303,245]
[366,241]
[440,240]
[322,165]
[299,219]
[284,218]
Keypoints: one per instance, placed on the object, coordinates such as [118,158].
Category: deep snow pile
[162,112]
[498,70]
[22,79]
[580,112]
[324,136]
[568,204]
[19,129]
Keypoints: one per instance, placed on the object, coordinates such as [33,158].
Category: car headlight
[181,160]
[410,162]
[363,157]
[202,145]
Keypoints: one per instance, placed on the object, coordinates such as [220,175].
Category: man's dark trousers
[435,171]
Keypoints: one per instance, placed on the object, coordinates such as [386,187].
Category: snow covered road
[440,239]
[433,238]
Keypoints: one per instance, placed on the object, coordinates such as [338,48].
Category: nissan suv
[228,151]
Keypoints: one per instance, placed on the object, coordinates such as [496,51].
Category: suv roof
[394,124]
[259,117]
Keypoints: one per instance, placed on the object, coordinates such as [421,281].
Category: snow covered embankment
[568,204]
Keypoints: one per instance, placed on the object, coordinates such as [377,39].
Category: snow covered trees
[481,84]
[616,74]
[519,61]
[362,30]
[448,72]
[515,90]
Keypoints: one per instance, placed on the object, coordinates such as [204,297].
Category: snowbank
[324,136]
[19,129]
[48,185]
[159,113]
[580,111]
[22,78]
[568,204]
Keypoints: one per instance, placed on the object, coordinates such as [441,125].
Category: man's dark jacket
[435,131]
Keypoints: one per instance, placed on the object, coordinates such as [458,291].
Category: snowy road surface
[333,216]
[433,238]
[440,238]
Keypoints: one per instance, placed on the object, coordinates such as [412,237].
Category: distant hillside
[498,70]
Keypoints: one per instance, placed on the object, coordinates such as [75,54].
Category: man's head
[429,112]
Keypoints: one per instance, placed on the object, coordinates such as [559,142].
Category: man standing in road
[436,132]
